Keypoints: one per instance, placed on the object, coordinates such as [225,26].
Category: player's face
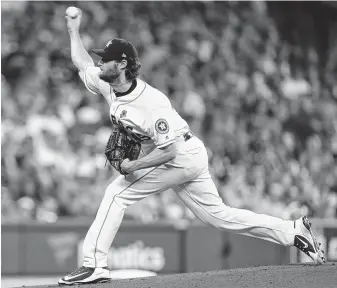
[110,71]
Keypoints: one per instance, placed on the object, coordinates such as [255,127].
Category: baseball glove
[121,146]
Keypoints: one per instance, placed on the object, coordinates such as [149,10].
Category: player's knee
[121,202]
[215,218]
[110,193]
[112,190]
[210,220]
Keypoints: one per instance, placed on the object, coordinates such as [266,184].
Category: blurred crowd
[270,128]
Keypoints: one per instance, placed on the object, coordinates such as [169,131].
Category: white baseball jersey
[150,118]
[146,112]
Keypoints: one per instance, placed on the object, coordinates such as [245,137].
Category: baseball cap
[117,49]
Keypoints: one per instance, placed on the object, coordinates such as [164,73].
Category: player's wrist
[132,167]
[74,31]
[127,167]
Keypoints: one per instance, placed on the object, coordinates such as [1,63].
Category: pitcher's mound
[292,276]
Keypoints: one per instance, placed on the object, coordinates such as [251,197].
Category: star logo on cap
[108,44]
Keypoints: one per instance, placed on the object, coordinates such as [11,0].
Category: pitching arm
[79,54]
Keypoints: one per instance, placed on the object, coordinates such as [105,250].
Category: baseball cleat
[306,241]
[86,275]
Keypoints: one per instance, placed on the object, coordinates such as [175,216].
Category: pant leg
[120,194]
[202,197]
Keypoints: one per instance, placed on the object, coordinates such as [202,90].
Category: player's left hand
[126,166]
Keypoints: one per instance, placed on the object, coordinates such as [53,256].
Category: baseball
[72,12]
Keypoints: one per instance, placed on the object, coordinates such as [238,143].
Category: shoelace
[78,271]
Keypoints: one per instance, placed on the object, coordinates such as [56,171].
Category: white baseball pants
[189,177]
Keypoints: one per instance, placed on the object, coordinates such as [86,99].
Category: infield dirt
[294,276]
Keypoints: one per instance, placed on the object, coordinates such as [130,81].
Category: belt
[188,135]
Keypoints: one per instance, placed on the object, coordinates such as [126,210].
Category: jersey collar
[133,86]
[132,95]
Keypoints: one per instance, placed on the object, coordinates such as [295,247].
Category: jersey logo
[123,114]
[162,126]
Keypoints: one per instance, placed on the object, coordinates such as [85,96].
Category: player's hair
[132,69]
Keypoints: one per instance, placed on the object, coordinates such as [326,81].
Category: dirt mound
[298,275]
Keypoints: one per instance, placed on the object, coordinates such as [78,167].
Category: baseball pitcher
[143,119]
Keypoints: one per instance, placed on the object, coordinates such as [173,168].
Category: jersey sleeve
[162,128]
[90,78]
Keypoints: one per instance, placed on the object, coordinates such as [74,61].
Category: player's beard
[111,76]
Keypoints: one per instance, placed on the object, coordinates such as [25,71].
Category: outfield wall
[55,249]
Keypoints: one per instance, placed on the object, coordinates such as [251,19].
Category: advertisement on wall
[136,255]
[35,248]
